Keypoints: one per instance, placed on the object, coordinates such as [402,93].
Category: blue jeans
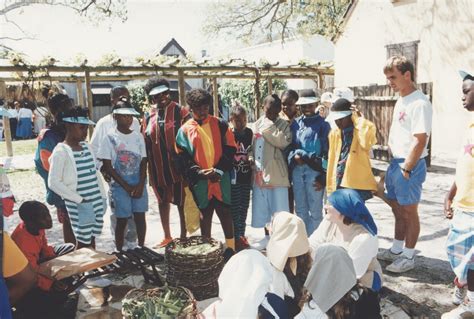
[308,201]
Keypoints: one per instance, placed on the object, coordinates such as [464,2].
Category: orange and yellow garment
[204,145]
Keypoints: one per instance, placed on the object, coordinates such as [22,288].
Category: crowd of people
[26,120]
[304,166]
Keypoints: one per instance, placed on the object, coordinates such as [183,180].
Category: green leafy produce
[165,302]
[200,249]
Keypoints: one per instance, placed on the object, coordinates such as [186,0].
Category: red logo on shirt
[401,116]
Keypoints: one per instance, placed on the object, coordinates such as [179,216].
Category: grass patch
[23,147]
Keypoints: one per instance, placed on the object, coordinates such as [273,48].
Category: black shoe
[228,253]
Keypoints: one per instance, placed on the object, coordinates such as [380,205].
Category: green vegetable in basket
[163,302]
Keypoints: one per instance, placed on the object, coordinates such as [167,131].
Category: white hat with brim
[304,100]
[326,97]
[344,93]
[337,115]
[465,74]
[126,111]
[78,120]
[159,89]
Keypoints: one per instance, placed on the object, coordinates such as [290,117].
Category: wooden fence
[377,102]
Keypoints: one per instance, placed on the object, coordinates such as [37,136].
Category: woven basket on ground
[197,272]
[163,302]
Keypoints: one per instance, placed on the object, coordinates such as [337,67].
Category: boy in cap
[326,103]
[408,143]
[160,128]
[350,142]
[459,207]
[102,127]
[308,148]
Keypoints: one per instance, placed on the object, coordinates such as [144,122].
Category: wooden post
[321,81]
[270,86]
[256,88]
[181,88]
[80,93]
[6,121]
[215,95]
[89,100]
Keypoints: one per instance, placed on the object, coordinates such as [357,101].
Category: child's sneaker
[402,264]
[163,243]
[463,311]
[458,295]
[388,255]
[241,243]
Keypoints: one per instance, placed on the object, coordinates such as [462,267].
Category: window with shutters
[407,49]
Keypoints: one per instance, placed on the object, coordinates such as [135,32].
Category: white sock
[409,252]
[470,296]
[397,246]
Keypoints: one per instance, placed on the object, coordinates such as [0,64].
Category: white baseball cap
[326,97]
[343,92]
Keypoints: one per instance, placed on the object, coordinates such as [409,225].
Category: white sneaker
[402,264]
[387,255]
[262,244]
[463,311]
[458,295]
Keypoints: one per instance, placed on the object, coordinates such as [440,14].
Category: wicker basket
[188,311]
[199,273]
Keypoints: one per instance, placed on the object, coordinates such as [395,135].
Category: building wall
[315,48]
[444,29]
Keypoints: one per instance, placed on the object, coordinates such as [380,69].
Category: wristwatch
[406,171]
[218,171]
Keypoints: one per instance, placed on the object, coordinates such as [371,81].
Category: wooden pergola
[175,69]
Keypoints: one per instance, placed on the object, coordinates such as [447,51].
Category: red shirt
[35,248]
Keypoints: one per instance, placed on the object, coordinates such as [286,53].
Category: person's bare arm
[448,201]
[416,151]
[19,284]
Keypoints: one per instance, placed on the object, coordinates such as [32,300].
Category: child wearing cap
[160,128]
[73,176]
[305,160]
[350,142]
[326,103]
[123,154]
[348,223]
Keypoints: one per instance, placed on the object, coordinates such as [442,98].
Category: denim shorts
[123,205]
[405,191]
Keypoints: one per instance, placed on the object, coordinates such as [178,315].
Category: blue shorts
[405,191]
[266,202]
[123,205]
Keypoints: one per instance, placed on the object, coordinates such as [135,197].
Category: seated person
[288,252]
[332,290]
[31,239]
[348,223]
[17,277]
[244,286]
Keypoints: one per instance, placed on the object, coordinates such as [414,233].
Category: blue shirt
[310,140]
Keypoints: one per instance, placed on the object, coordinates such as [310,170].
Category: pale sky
[61,33]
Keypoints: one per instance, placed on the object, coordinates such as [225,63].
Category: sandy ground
[423,292]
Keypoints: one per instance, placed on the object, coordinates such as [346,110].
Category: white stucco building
[438,33]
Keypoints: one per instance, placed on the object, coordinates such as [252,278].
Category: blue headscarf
[349,203]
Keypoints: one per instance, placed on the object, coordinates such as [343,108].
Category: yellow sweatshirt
[358,172]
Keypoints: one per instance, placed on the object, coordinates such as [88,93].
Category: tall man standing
[408,139]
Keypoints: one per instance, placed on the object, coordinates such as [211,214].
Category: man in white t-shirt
[408,140]
[101,128]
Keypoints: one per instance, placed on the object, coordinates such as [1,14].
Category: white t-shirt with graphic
[412,115]
[125,151]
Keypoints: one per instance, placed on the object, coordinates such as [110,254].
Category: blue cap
[126,111]
[78,120]
[159,89]
[349,203]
